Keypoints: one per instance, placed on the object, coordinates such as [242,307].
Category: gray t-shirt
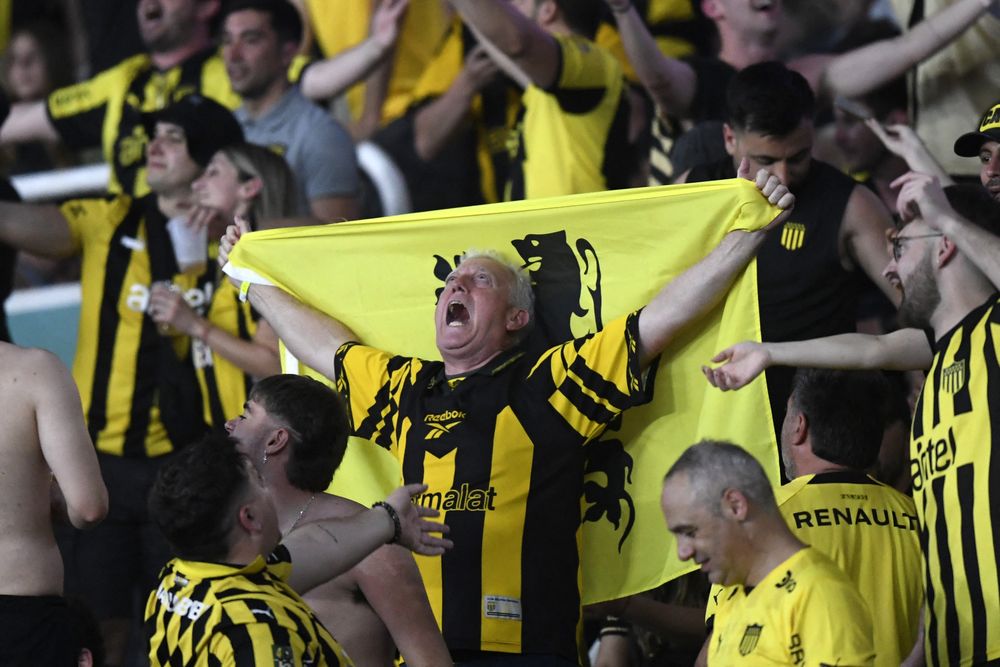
[318,149]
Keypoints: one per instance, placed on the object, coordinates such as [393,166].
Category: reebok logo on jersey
[462,499]
[441,423]
[793,235]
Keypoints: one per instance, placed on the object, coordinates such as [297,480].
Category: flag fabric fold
[592,258]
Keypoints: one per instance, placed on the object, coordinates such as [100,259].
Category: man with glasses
[946,263]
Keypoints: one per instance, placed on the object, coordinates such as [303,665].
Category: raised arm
[41,230]
[65,443]
[907,144]
[332,76]
[670,82]
[902,350]
[311,336]
[322,550]
[852,74]
[436,123]
[694,292]
[530,48]
[862,235]
[27,121]
[922,194]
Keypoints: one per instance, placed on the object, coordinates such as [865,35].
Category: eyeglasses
[897,246]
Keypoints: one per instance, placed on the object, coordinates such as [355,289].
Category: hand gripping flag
[592,257]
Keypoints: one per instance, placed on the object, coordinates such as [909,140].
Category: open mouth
[457,314]
[762,5]
[152,12]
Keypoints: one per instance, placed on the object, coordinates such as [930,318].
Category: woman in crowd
[230,345]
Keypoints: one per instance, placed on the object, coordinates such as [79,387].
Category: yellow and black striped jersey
[204,614]
[954,476]
[804,612]
[573,137]
[224,385]
[107,109]
[870,531]
[128,374]
[500,449]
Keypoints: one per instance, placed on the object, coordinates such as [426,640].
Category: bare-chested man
[44,448]
[293,429]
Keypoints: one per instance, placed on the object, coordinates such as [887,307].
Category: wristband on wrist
[397,528]
[244,290]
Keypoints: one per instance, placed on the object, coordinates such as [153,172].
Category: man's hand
[415,530]
[169,310]
[478,71]
[921,195]
[772,188]
[387,21]
[229,240]
[741,363]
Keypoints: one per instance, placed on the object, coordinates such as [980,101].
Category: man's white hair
[521,294]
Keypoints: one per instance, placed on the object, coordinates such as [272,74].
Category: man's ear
[734,504]
[729,137]
[277,442]
[288,52]
[712,9]
[548,11]
[517,319]
[946,251]
[248,519]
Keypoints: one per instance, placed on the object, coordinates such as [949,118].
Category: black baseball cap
[968,145]
[208,126]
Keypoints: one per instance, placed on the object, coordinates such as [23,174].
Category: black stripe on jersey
[936,379]
[146,366]
[240,641]
[198,593]
[214,400]
[243,329]
[946,570]
[966,496]
[917,423]
[931,621]
[376,426]
[992,370]
[115,269]
[619,155]
[842,477]
[163,651]
[605,389]
[583,403]
[579,100]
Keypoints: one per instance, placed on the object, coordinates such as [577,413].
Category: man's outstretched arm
[902,350]
[310,335]
[694,292]
[27,121]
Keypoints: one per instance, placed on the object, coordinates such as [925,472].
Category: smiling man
[789,604]
[496,431]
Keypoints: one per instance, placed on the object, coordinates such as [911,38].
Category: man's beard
[920,298]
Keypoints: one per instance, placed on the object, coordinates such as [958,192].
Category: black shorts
[38,630]
[115,565]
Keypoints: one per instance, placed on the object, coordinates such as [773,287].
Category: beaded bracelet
[397,531]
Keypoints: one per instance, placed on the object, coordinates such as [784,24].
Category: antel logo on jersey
[934,458]
[138,297]
[462,499]
[441,423]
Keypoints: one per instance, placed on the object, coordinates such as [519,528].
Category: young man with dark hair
[808,272]
[295,430]
[945,263]
[260,39]
[229,595]
[788,603]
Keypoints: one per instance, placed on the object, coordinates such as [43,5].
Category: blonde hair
[278,192]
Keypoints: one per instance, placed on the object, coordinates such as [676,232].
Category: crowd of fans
[881,120]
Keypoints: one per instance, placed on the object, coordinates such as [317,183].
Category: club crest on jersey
[793,235]
[953,377]
[750,637]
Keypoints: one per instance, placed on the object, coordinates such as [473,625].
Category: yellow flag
[592,257]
